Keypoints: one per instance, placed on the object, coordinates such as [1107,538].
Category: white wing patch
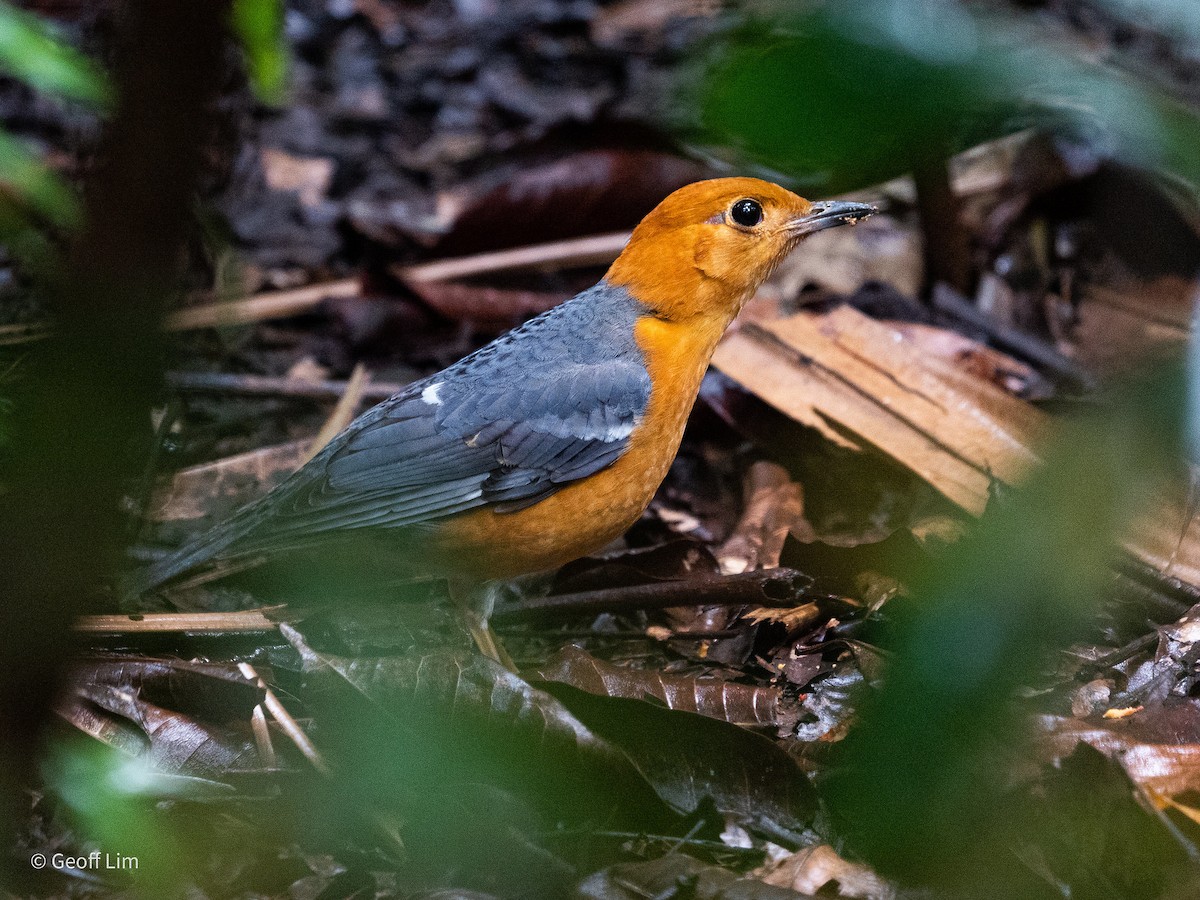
[430,394]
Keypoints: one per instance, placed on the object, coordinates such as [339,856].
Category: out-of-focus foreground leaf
[411,731]
[475,762]
[259,26]
[921,781]
[861,91]
[32,186]
[30,52]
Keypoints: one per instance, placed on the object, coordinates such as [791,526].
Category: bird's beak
[828,213]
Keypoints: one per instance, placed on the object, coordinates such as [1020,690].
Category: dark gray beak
[829,213]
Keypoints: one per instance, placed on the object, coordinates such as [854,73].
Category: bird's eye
[747,212]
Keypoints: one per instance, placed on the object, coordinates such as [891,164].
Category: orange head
[706,248]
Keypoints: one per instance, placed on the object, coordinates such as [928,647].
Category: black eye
[747,212]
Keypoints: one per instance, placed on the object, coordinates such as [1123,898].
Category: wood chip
[861,382]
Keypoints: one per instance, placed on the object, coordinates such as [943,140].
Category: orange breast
[585,515]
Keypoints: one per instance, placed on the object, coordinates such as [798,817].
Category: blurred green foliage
[32,53]
[259,26]
[921,784]
[842,95]
[111,798]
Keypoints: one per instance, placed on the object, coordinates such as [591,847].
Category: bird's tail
[215,544]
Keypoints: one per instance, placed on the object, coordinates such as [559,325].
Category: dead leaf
[583,194]
[665,877]
[813,868]
[1158,746]
[476,303]
[204,732]
[308,177]
[738,704]
[773,505]
[216,489]
[793,619]
[691,758]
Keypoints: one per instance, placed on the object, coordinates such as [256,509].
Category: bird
[550,441]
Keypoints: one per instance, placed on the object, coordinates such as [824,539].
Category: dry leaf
[740,704]
[308,176]
[811,869]
[217,488]
[774,504]
[1158,746]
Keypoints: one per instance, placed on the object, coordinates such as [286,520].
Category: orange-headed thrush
[550,441]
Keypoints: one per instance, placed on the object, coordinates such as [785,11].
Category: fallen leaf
[810,870]
[586,193]
[1159,746]
[738,704]
[214,490]
[308,177]
[774,504]
[689,758]
[666,877]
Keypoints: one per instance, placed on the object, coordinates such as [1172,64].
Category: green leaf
[259,26]
[861,91]
[30,52]
[26,180]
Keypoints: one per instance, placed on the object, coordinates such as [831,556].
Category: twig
[187,623]
[262,737]
[1168,586]
[272,305]
[776,587]
[23,333]
[342,414]
[274,386]
[773,503]
[953,304]
[584,251]
[287,724]
[947,249]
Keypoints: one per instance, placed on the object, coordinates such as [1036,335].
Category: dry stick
[947,249]
[285,721]
[273,305]
[262,737]
[342,414]
[949,301]
[584,251]
[250,620]
[775,587]
[274,386]
[24,333]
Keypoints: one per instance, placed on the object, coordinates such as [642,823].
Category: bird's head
[705,249]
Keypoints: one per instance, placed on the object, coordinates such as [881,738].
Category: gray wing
[547,404]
